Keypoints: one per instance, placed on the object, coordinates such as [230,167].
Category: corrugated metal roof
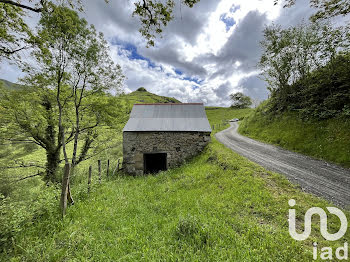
[168,117]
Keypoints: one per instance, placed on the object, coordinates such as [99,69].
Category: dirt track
[318,177]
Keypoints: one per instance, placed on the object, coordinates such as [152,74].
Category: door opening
[154,162]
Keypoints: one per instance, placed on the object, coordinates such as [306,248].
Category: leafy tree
[74,60]
[301,67]
[326,8]
[155,15]
[14,33]
[292,53]
[141,89]
[66,98]
[240,100]
[275,61]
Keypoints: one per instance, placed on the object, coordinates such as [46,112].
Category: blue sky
[206,53]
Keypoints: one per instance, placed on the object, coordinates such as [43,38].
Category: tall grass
[217,207]
[324,139]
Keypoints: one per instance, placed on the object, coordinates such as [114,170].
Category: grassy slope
[34,153]
[9,85]
[217,207]
[29,197]
[328,139]
[138,97]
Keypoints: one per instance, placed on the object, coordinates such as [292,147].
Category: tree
[300,65]
[275,61]
[292,53]
[141,89]
[74,60]
[153,14]
[67,90]
[240,100]
[29,115]
[14,31]
[326,8]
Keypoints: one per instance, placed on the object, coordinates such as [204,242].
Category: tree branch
[9,2]
[23,178]
[23,166]
[11,52]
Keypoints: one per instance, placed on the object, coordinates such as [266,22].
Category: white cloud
[197,44]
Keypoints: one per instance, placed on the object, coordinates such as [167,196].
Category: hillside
[9,85]
[139,97]
[327,139]
[217,207]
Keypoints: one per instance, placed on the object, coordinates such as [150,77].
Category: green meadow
[218,206]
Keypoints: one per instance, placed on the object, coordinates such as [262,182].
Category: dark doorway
[153,163]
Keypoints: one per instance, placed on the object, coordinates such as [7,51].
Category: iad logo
[326,252]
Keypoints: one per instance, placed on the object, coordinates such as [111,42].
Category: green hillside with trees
[63,194]
[217,206]
[31,170]
[141,95]
[307,68]
[9,85]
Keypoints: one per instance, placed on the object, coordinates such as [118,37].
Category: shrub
[141,89]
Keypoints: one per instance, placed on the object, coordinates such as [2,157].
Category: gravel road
[314,176]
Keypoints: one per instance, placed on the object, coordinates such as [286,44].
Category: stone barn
[162,136]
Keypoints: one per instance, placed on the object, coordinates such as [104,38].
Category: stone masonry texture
[179,147]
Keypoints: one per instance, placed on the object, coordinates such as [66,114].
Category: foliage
[155,15]
[240,100]
[306,68]
[13,31]
[17,215]
[325,8]
[325,139]
[138,97]
[65,96]
[141,89]
[323,94]
[218,206]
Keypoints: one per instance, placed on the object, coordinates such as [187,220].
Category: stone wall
[179,146]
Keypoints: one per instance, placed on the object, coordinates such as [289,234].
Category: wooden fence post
[107,167]
[99,171]
[64,192]
[89,180]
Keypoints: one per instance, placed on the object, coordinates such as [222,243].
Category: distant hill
[142,96]
[9,85]
[139,96]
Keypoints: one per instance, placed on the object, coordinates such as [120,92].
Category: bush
[15,215]
[141,89]
[323,94]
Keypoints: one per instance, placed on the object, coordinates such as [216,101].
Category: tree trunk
[52,163]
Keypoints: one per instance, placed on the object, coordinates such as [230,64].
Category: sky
[205,53]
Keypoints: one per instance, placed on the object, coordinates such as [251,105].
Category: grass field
[327,139]
[216,207]
[139,97]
